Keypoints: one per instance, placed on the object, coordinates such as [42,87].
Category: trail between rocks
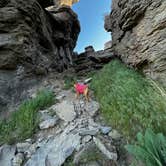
[66,128]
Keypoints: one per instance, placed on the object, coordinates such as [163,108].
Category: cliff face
[139,35]
[33,41]
[35,38]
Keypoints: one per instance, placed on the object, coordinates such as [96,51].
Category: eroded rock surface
[138,35]
[35,38]
[91,60]
[33,41]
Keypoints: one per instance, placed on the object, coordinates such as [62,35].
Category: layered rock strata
[91,60]
[33,41]
[139,35]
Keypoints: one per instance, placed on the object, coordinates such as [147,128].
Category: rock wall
[139,35]
[33,41]
[91,60]
[35,38]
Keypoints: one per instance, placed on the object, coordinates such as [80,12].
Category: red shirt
[80,88]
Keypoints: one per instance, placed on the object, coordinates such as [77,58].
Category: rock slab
[65,111]
[48,123]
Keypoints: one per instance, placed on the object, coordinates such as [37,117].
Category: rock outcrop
[35,38]
[33,41]
[91,60]
[138,35]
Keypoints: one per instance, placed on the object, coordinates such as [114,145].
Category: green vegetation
[92,154]
[150,148]
[23,122]
[69,161]
[129,101]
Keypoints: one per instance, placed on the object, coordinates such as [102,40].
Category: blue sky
[91,15]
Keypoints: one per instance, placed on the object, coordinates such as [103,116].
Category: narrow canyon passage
[46,46]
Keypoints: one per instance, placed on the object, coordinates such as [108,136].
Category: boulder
[55,151]
[89,50]
[51,122]
[60,97]
[18,159]
[106,150]
[65,110]
[138,35]
[105,130]
[85,132]
[44,115]
[31,150]
[86,139]
[90,155]
[114,134]
[92,108]
[22,147]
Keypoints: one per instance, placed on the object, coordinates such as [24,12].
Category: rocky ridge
[138,35]
[92,60]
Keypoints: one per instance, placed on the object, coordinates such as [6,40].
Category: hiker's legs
[77,95]
[86,94]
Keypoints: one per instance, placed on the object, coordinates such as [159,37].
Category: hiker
[82,88]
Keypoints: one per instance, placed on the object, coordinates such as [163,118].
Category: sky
[91,16]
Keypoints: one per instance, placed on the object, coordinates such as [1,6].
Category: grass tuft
[23,122]
[129,101]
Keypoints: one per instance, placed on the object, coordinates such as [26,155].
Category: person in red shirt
[82,88]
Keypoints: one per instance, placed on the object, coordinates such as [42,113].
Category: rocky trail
[66,130]
[37,41]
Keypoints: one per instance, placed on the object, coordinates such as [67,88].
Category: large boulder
[138,35]
[33,41]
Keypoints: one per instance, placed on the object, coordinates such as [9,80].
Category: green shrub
[129,101]
[23,122]
[150,148]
